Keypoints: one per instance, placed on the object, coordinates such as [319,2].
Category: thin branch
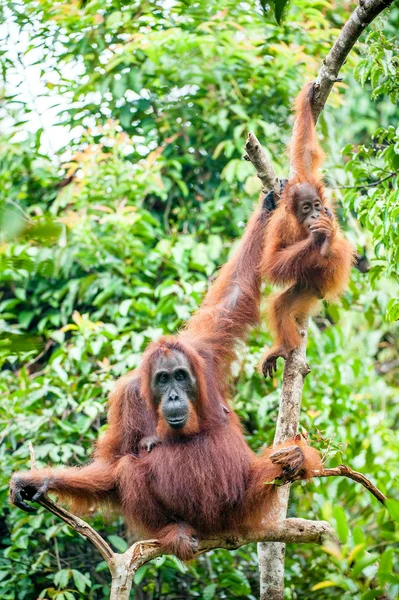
[366,11]
[73,521]
[264,169]
[385,367]
[344,471]
[81,527]
[32,457]
[363,185]
[39,356]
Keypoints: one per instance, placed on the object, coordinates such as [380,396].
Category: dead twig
[344,471]
[264,169]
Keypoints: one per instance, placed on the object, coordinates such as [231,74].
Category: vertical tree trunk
[272,554]
[120,588]
[122,577]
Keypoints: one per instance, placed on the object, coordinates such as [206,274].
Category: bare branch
[124,566]
[277,533]
[345,471]
[80,526]
[298,531]
[366,11]
[75,522]
[264,170]
[32,457]
[361,17]
[363,185]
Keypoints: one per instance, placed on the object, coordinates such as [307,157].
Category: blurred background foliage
[114,222]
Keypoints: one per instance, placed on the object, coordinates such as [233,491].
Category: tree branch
[362,16]
[345,471]
[80,526]
[277,531]
[123,566]
[363,185]
[271,556]
[75,522]
[264,169]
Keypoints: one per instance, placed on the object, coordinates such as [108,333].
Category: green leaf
[393,508]
[120,544]
[140,574]
[209,591]
[342,524]
[62,577]
[81,581]
[323,585]
[279,6]
[114,19]
[371,594]
[386,562]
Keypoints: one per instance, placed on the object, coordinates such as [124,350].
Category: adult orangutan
[198,476]
[305,249]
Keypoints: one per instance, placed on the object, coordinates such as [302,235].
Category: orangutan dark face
[173,387]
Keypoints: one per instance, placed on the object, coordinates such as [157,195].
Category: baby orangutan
[305,249]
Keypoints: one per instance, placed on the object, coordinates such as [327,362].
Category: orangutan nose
[173,396]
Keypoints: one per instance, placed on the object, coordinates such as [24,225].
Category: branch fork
[123,566]
[279,531]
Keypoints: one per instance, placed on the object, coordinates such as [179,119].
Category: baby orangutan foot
[269,365]
[149,442]
[291,460]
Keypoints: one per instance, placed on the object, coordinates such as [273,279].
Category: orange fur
[305,153]
[291,258]
[205,480]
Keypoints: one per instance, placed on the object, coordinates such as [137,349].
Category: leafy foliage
[113,240]
[377,164]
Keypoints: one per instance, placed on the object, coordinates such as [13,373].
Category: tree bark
[362,16]
[272,556]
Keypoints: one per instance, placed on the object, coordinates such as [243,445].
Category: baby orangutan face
[174,388]
[308,205]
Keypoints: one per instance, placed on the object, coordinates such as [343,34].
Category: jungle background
[122,190]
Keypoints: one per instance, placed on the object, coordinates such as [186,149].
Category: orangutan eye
[181,375]
[306,208]
[163,377]
[317,205]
